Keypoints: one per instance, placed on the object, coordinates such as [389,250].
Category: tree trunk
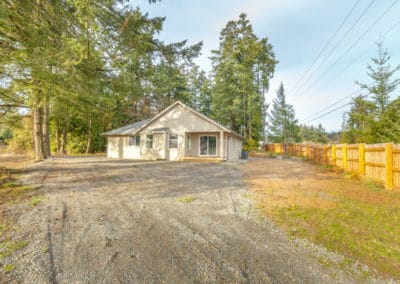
[89,140]
[63,141]
[46,128]
[37,130]
[58,139]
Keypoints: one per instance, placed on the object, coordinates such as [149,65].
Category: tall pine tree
[242,68]
[283,125]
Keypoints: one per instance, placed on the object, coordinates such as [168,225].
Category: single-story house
[177,133]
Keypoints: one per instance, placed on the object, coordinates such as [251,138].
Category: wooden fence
[380,162]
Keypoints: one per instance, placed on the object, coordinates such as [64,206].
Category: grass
[363,225]
[11,191]
[8,267]
[187,199]
[36,200]
[248,196]
[7,247]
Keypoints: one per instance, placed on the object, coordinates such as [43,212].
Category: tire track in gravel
[111,221]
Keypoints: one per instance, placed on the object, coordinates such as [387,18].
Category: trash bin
[245,155]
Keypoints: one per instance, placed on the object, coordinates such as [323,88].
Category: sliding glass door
[208,145]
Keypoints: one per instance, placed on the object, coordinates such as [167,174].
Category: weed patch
[8,267]
[36,200]
[187,199]
[7,247]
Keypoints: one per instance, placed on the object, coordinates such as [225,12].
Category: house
[176,133]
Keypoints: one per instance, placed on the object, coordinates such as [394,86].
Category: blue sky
[298,31]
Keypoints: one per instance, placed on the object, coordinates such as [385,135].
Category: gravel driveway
[113,221]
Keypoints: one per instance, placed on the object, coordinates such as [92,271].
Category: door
[159,146]
[173,140]
[208,145]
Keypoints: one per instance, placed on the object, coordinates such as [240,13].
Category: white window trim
[216,146]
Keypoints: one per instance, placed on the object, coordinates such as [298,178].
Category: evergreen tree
[371,118]
[242,67]
[283,125]
[81,67]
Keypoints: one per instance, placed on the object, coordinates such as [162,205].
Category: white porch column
[221,144]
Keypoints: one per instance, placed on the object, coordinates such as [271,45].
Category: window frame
[149,140]
[208,145]
[134,141]
[173,140]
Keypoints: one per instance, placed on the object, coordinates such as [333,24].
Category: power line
[341,39]
[326,45]
[352,94]
[325,114]
[381,36]
[358,39]
[335,103]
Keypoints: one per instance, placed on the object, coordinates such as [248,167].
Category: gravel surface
[121,221]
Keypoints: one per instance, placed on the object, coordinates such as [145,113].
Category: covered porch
[205,146]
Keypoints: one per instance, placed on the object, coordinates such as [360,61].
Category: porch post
[221,144]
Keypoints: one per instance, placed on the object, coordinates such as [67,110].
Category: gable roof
[127,129]
[135,128]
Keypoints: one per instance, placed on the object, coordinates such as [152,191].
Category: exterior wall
[182,121]
[195,139]
[234,148]
[129,151]
[114,147]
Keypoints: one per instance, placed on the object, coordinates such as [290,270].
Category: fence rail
[380,162]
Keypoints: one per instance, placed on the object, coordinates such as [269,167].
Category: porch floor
[203,159]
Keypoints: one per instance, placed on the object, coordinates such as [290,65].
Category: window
[134,140]
[208,145]
[173,140]
[149,141]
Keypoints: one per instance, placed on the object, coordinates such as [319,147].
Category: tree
[242,68]
[283,125]
[80,67]
[372,118]
[314,134]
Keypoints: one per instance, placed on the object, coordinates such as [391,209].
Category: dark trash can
[245,155]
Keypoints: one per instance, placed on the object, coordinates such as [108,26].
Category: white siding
[113,147]
[130,151]
[234,148]
[179,120]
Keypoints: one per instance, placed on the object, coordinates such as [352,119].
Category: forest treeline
[69,70]
[72,69]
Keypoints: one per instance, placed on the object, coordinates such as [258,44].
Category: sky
[323,46]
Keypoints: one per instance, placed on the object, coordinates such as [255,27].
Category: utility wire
[332,105]
[325,114]
[358,39]
[326,45]
[381,36]
[341,40]
[352,94]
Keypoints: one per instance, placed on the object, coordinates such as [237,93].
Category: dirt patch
[102,220]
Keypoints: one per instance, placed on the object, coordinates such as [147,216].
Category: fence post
[333,155]
[389,165]
[344,157]
[361,159]
[325,155]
